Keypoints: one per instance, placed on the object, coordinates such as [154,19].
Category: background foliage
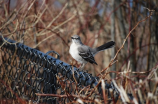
[48,25]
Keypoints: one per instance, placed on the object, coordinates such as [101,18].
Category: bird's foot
[80,69]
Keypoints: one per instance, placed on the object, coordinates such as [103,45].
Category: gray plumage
[83,53]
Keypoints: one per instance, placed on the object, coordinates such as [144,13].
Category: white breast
[74,53]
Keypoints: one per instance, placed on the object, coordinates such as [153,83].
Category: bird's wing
[86,54]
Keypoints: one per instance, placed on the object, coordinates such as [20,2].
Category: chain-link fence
[25,73]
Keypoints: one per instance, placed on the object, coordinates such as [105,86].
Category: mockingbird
[83,53]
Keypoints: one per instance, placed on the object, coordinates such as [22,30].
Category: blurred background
[49,24]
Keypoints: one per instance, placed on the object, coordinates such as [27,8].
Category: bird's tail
[105,46]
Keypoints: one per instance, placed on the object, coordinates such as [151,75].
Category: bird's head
[76,39]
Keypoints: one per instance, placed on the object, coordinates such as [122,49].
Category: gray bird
[83,53]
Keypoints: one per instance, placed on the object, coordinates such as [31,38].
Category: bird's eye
[74,38]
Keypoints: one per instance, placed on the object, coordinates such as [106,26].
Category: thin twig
[53,30]
[126,40]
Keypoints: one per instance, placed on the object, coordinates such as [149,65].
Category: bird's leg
[81,67]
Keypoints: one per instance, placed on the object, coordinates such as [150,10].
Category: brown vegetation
[132,64]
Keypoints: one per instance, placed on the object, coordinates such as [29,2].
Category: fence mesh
[25,73]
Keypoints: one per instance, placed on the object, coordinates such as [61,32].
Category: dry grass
[48,25]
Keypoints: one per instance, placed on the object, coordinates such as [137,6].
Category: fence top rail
[87,79]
